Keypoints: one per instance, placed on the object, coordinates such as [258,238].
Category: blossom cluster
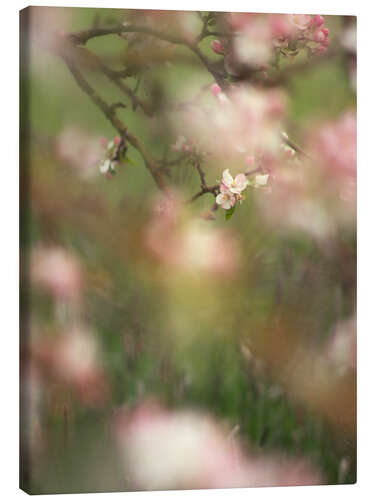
[257,36]
[231,188]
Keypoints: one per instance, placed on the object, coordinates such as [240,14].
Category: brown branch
[82,37]
[114,77]
[110,113]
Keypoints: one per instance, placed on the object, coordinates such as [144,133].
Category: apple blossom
[236,185]
[225,198]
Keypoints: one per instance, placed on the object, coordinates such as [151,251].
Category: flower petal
[227,178]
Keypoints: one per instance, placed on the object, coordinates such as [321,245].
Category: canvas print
[187,250]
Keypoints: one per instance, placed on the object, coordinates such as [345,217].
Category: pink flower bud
[215,89]
[117,140]
[217,47]
[103,141]
[318,21]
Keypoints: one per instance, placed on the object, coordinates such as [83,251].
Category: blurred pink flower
[249,124]
[335,144]
[72,359]
[188,244]
[258,35]
[57,271]
[165,449]
[301,21]
[80,150]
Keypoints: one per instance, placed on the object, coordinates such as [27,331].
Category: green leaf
[229,213]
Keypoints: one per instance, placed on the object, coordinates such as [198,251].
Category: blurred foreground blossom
[47,27]
[57,271]
[80,150]
[188,244]
[258,35]
[165,449]
[317,194]
[335,144]
[72,359]
[222,129]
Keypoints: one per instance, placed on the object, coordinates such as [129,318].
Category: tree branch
[110,113]
[82,37]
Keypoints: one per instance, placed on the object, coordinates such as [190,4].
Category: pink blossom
[57,271]
[225,199]
[217,46]
[80,150]
[164,449]
[321,36]
[215,89]
[236,185]
[190,245]
[318,20]
[301,21]
[72,360]
[335,144]
[249,124]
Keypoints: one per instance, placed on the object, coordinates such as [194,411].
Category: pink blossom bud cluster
[310,30]
[257,35]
